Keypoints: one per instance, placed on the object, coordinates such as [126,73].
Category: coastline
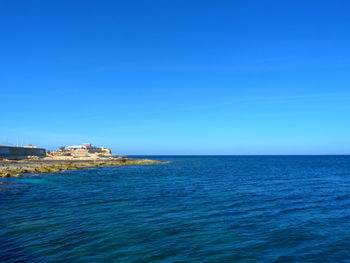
[15,168]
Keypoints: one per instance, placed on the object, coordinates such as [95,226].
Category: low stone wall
[17,153]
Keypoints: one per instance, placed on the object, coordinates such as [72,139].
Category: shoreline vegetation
[16,168]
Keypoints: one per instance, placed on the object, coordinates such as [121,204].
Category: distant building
[87,147]
[17,153]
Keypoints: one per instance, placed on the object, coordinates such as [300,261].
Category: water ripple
[191,209]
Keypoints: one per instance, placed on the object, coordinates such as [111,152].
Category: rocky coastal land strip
[16,168]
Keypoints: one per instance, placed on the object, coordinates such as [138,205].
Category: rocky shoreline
[12,168]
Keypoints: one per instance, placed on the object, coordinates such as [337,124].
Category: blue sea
[191,209]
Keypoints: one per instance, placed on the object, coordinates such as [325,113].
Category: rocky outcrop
[51,165]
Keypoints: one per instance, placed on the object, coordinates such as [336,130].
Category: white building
[87,147]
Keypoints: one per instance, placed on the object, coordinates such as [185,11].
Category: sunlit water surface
[192,209]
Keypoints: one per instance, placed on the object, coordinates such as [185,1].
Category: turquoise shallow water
[193,209]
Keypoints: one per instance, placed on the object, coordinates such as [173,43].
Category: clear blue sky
[177,77]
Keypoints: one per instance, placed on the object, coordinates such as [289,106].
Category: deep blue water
[193,209]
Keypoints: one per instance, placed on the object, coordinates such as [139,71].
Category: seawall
[18,153]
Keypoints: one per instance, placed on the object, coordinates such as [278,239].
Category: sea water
[191,209]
